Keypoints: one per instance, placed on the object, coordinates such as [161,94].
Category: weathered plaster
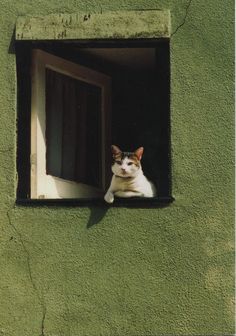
[29,267]
[122,271]
[107,25]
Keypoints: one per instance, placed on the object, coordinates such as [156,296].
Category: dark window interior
[140,72]
[73,129]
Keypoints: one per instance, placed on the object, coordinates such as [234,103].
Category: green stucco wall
[125,271]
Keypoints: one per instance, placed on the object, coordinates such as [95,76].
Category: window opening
[77,149]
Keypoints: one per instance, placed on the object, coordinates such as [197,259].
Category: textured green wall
[122,271]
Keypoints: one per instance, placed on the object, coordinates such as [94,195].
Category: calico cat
[128,179]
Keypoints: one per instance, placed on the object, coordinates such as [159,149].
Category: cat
[128,179]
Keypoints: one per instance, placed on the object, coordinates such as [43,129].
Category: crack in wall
[184,19]
[40,298]
[43,321]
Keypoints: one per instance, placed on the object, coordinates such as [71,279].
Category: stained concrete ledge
[107,25]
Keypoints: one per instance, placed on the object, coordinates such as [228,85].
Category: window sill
[134,202]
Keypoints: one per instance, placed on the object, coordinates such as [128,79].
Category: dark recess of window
[140,110]
[73,130]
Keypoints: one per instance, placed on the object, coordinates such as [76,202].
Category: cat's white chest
[124,184]
[137,184]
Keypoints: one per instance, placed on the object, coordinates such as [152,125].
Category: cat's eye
[118,162]
[130,163]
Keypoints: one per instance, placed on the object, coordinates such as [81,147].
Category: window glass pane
[73,131]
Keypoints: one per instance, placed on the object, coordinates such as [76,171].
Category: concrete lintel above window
[106,25]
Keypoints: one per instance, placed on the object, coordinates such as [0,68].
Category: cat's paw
[109,197]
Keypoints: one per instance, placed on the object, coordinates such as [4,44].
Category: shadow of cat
[96,215]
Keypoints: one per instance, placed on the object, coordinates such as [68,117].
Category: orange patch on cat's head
[119,155]
[139,153]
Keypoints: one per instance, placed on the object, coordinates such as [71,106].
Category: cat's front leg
[109,196]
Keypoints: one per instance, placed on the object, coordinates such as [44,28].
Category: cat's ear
[115,150]
[139,153]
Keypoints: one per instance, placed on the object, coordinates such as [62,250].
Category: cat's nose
[123,170]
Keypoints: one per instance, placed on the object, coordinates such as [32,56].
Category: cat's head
[126,164]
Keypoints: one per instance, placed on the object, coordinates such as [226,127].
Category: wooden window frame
[86,29]
[44,186]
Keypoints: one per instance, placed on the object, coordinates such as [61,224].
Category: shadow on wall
[96,215]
